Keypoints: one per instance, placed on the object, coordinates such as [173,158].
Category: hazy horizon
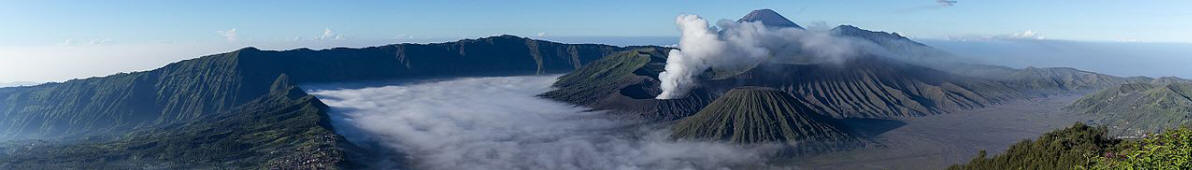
[1108,57]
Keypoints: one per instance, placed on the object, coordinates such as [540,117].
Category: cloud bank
[498,123]
[734,47]
[329,35]
[945,2]
[229,35]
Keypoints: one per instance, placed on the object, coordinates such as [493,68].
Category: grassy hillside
[603,77]
[1085,147]
[626,82]
[1069,148]
[1134,109]
[285,129]
[199,87]
[759,114]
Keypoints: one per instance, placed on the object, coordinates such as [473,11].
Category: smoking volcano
[845,72]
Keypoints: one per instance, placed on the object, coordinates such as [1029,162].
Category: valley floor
[938,141]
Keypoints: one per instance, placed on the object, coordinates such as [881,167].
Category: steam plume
[739,46]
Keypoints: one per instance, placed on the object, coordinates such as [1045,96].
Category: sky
[53,40]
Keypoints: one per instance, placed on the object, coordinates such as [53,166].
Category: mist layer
[498,123]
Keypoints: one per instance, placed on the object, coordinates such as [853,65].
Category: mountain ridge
[190,88]
[286,129]
[170,112]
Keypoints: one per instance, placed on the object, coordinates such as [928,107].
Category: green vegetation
[1138,108]
[286,129]
[1085,147]
[1069,148]
[604,77]
[759,114]
[1169,150]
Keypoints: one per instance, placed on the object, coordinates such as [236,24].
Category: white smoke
[736,47]
[498,123]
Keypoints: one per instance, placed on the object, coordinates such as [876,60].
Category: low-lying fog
[499,123]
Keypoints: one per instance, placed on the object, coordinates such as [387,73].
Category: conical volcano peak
[762,114]
[769,18]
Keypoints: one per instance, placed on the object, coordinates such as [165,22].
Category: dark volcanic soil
[936,142]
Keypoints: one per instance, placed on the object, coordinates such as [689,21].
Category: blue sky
[44,34]
[54,22]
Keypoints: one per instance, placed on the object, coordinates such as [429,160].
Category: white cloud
[92,42]
[403,36]
[329,35]
[541,34]
[229,35]
[939,4]
[945,2]
[99,42]
[1028,34]
[1024,35]
[17,83]
[498,123]
[68,42]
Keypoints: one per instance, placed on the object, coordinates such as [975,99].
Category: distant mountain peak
[769,18]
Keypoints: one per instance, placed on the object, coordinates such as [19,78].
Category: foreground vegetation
[1085,147]
[1168,150]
